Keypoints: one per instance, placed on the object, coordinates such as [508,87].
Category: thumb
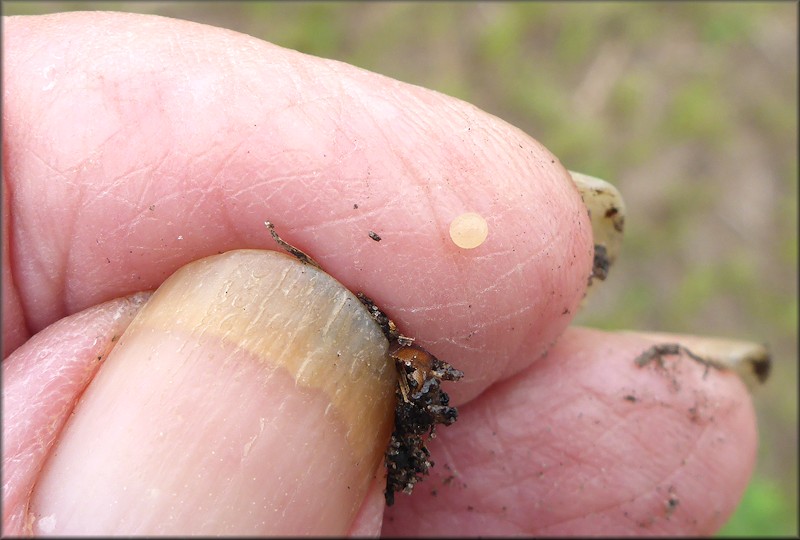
[251,395]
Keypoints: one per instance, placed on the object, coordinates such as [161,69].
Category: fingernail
[607,213]
[751,361]
[253,394]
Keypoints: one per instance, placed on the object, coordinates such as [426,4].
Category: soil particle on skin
[290,248]
[601,263]
[387,326]
[657,353]
[672,502]
[421,403]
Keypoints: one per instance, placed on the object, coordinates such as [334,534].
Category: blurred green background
[689,108]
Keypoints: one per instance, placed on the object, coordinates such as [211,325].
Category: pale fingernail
[751,361]
[607,213]
[252,395]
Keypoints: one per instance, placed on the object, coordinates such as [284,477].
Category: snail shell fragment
[751,361]
[607,214]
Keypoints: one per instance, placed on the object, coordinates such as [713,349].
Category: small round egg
[469,230]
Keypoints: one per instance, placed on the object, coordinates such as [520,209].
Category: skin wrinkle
[314,232]
[449,153]
[274,183]
[225,161]
[48,99]
[494,255]
[32,153]
[548,530]
[642,497]
[502,486]
[144,171]
[520,268]
[413,235]
[347,218]
[645,492]
[14,195]
[360,111]
[497,322]
[35,265]
[666,480]
[488,499]
[524,476]
[230,219]
[370,218]
[124,223]
[386,141]
[210,191]
[298,74]
[308,184]
[421,199]
[68,266]
[622,418]
[615,501]
[634,434]
[466,347]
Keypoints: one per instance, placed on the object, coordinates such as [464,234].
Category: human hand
[135,145]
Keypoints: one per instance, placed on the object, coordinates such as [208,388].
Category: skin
[147,143]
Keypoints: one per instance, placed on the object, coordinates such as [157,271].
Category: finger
[587,442]
[148,143]
[228,406]
[42,380]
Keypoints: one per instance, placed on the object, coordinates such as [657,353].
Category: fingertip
[251,395]
[325,150]
[674,442]
[42,381]
[585,441]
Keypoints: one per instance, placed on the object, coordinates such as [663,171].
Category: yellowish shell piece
[606,211]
